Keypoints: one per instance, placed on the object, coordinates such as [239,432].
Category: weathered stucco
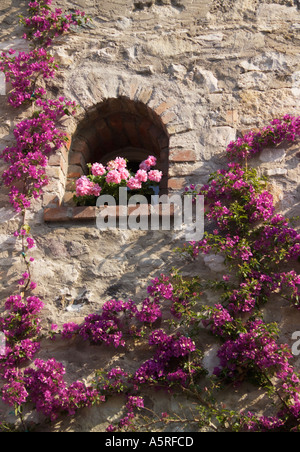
[209,70]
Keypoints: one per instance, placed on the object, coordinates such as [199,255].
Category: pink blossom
[120,163]
[124,173]
[141,175]
[144,166]
[82,186]
[30,243]
[85,187]
[134,184]
[113,177]
[98,169]
[151,160]
[155,175]
[95,190]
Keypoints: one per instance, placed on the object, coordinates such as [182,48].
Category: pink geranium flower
[155,175]
[141,175]
[113,177]
[134,184]
[85,187]
[144,166]
[120,163]
[151,160]
[98,169]
[124,173]
[95,190]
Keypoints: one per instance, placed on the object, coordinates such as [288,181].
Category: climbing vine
[255,241]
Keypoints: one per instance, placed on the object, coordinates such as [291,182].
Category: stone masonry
[176,78]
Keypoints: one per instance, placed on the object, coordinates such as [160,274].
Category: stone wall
[209,70]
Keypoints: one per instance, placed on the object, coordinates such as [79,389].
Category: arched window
[118,127]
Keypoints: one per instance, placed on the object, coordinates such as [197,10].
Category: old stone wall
[209,70]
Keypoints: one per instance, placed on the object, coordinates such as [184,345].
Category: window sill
[77,214]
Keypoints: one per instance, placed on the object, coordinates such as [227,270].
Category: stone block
[133,89]
[75,171]
[182,155]
[272,155]
[84,213]
[179,169]
[55,172]
[168,117]
[206,79]
[50,200]
[276,172]
[55,160]
[145,95]
[164,106]
[58,214]
[221,136]
[177,183]
[232,116]
[215,263]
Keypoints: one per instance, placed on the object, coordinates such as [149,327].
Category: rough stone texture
[205,71]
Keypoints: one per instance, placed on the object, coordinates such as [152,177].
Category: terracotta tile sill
[71,214]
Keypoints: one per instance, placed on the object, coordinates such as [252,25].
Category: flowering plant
[44,24]
[257,245]
[108,179]
[279,130]
[23,71]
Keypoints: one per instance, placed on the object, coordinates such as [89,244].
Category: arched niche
[118,127]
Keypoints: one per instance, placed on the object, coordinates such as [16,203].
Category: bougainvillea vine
[254,240]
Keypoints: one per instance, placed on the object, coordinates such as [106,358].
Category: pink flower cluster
[232,186]
[43,386]
[162,289]
[85,187]
[20,326]
[218,320]
[133,403]
[150,311]
[22,322]
[279,130]
[159,368]
[247,232]
[252,423]
[44,25]
[23,70]
[109,327]
[116,173]
[35,138]
[46,388]
[256,347]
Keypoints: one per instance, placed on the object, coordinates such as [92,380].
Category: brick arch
[118,127]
